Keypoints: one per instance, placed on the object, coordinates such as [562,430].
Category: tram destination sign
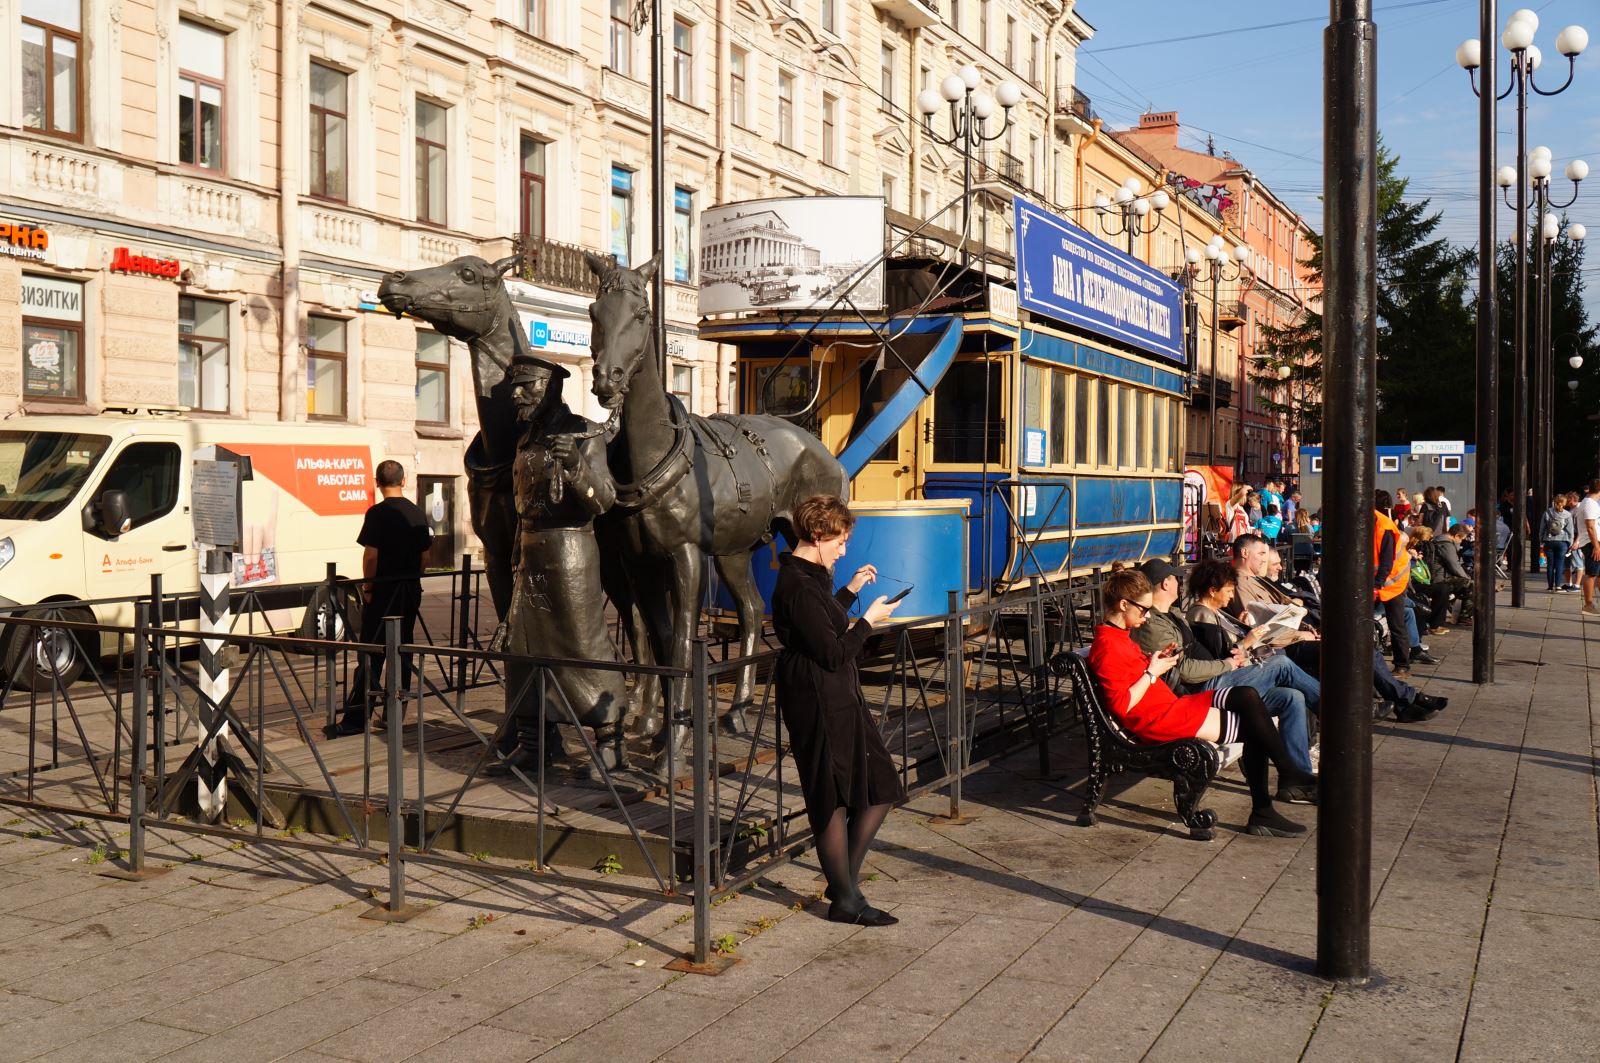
[1067,274]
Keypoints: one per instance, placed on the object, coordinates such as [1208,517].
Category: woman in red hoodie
[1132,684]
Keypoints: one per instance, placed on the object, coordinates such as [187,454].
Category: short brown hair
[822,517]
[391,473]
[1124,585]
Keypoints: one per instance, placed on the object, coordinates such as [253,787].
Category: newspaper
[1278,624]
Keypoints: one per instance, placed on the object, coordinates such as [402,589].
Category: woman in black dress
[845,771]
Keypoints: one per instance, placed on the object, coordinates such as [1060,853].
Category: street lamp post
[1216,271]
[1138,214]
[1525,60]
[970,109]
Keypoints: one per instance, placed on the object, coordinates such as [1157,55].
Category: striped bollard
[216,617]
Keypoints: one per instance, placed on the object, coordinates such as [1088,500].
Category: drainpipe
[1083,145]
[291,401]
[726,353]
[1053,98]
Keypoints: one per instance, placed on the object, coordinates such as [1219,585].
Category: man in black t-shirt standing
[395,535]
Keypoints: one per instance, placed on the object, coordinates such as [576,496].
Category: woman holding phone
[1131,682]
[848,779]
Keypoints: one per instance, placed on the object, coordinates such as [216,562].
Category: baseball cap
[1157,569]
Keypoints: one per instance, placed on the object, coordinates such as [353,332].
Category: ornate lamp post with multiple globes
[970,108]
[1136,213]
[1219,265]
[1525,61]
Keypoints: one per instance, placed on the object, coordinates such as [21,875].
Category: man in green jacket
[1287,691]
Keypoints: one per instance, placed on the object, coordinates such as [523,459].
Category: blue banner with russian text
[1067,274]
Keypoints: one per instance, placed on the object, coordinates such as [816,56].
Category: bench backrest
[1090,699]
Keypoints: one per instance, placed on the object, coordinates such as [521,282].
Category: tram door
[892,472]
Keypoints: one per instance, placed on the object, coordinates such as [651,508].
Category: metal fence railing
[431,783]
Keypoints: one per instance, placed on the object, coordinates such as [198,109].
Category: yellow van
[302,508]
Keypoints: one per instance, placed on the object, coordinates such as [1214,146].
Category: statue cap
[531,364]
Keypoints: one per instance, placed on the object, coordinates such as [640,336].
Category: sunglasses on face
[1144,610]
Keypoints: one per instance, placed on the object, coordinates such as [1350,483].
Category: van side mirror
[111,514]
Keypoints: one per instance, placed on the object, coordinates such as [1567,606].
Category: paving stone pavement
[1022,936]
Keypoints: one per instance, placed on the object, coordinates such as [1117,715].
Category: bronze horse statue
[689,488]
[466,299]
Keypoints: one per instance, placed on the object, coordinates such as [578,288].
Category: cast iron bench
[1191,763]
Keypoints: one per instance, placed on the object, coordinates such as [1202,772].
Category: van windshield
[41,472]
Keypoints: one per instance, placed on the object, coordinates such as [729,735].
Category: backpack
[1553,526]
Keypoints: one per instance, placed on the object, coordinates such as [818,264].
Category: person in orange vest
[1391,574]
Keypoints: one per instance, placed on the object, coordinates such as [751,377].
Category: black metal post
[1519,366]
[963,131]
[394,716]
[1344,813]
[1487,428]
[705,777]
[955,688]
[331,658]
[1538,429]
[141,708]
[463,629]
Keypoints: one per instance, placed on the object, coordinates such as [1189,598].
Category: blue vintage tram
[987,445]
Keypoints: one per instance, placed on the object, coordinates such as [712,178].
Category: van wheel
[38,657]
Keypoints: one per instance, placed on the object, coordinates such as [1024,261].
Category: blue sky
[1259,93]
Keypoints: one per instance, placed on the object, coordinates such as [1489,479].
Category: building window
[736,64]
[888,190]
[1035,61]
[1011,42]
[329,132]
[533,16]
[52,339]
[532,183]
[886,75]
[622,215]
[52,75]
[201,69]
[786,110]
[203,354]
[682,235]
[432,162]
[830,130]
[682,61]
[830,16]
[621,38]
[683,385]
[955,15]
[326,362]
[983,25]
[433,377]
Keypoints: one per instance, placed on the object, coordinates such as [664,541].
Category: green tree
[1425,329]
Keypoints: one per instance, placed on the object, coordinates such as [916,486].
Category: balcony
[1074,111]
[1200,397]
[1231,315]
[1002,166]
[913,13]
[555,265]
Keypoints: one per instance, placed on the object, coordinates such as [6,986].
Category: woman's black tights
[842,847]
[1261,743]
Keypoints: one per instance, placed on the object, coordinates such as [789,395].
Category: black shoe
[1423,657]
[349,724]
[1270,823]
[1431,702]
[866,916]
[1414,713]
[524,758]
[1297,795]
[1385,710]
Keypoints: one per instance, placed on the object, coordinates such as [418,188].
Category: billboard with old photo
[798,253]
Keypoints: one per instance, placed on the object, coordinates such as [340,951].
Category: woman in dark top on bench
[1131,682]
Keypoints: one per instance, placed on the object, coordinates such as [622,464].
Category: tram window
[960,414]
[1058,418]
[1081,406]
[1033,396]
[1174,435]
[783,390]
[1147,430]
[877,387]
[1127,426]
[1106,451]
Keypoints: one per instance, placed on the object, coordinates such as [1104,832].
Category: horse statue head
[622,336]
[465,298]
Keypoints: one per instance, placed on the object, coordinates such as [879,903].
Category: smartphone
[1168,650]
[901,595]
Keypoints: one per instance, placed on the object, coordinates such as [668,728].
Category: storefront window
[326,359]
[682,235]
[203,354]
[52,75]
[968,422]
[201,69]
[433,377]
[52,339]
[622,215]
